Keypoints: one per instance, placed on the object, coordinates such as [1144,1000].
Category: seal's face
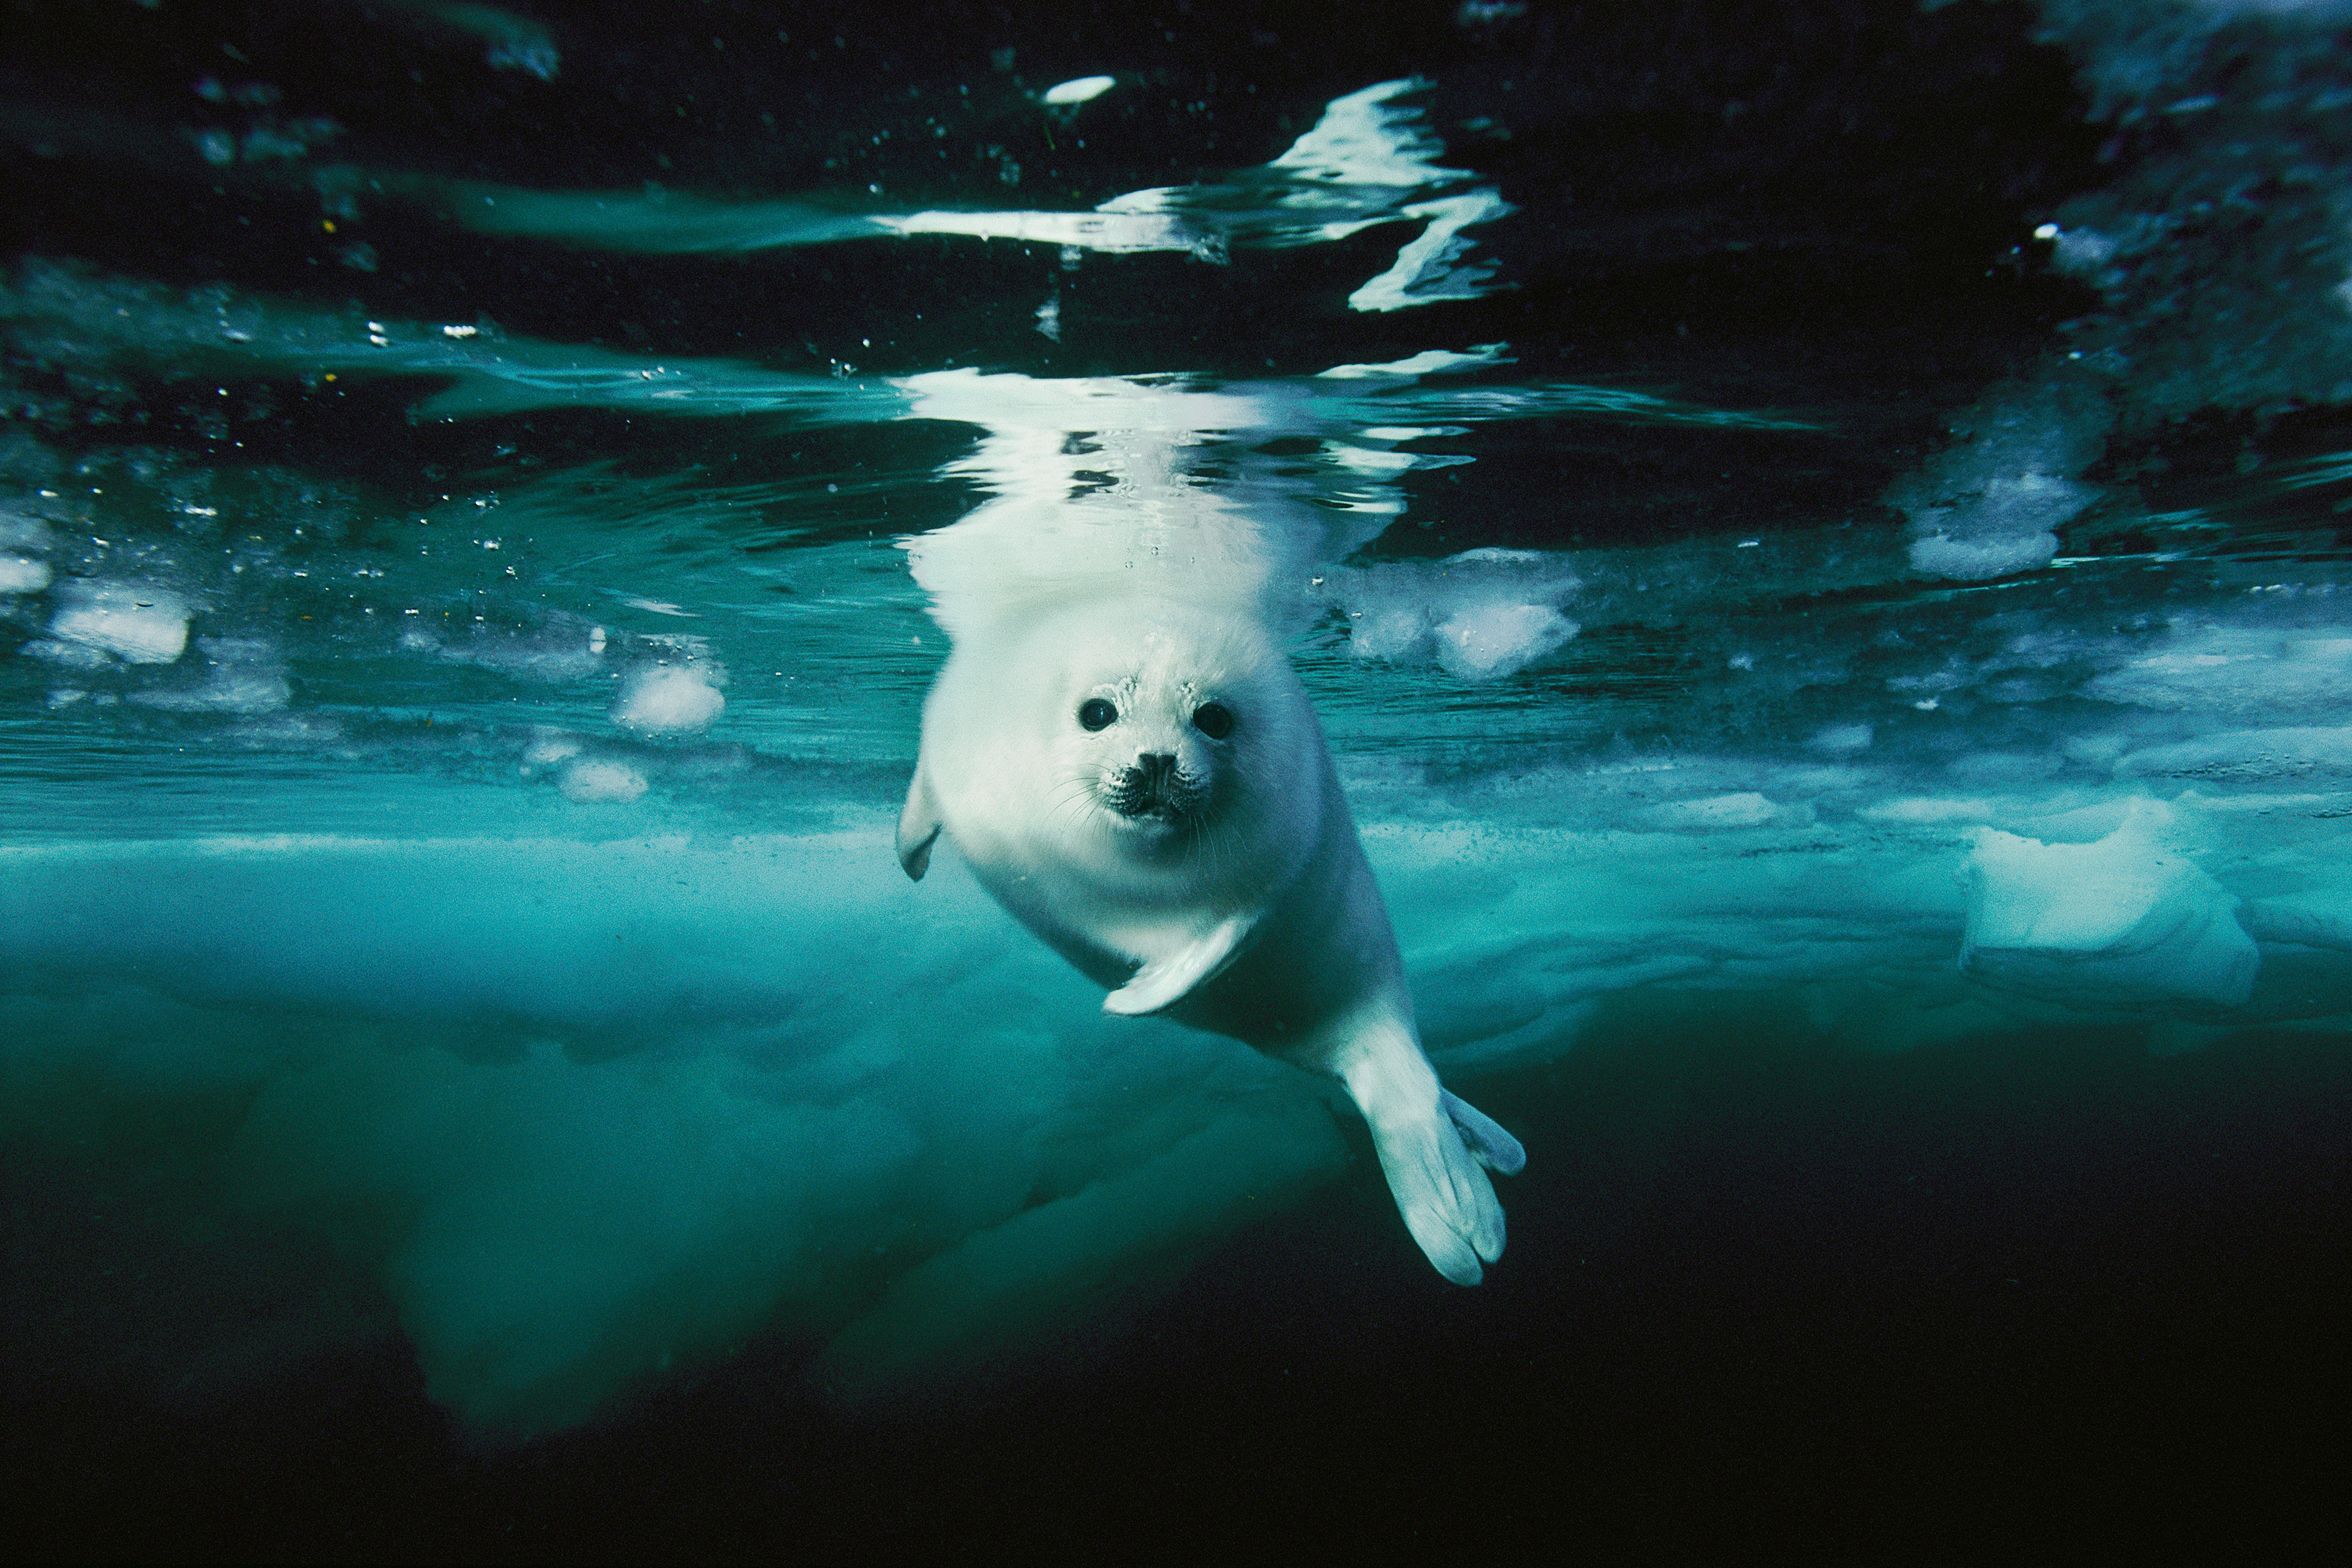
[1157,723]
[1157,758]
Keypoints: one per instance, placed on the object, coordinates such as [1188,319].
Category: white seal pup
[1141,781]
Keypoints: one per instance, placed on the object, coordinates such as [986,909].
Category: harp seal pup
[1141,782]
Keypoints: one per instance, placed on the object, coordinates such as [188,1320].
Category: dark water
[467,1099]
[2045,1294]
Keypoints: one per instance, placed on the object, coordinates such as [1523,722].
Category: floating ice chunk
[2023,500]
[2126,923]
[590,782]
[136,623]
[1080,90]
[1990,503]
[1480,615]
[669,699]
[1491,639]
[22,574]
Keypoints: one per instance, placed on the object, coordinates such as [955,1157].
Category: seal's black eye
[1095,714]
[1214,720]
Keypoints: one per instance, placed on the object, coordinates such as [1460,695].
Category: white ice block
[2124,924]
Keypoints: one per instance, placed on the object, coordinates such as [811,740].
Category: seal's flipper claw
[919,826]
[1170,980]
[1489,1144]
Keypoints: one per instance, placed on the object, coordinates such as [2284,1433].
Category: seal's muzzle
[1153,786]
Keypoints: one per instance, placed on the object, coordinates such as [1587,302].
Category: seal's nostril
[1156,764]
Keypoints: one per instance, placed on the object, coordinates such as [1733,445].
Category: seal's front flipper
[1167,981]
[919,826]
[1489,1144]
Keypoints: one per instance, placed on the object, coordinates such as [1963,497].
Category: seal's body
[1141,782]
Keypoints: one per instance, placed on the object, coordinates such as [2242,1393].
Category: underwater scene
[1177,781]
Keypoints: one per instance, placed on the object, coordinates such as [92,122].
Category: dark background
[2042,1296]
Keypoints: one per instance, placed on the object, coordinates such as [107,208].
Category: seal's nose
[1149,789]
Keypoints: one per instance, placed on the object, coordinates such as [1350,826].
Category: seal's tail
[1431,1146]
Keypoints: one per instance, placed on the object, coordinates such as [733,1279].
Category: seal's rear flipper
[1170,980]
[1446,1200]
[919,825]
[1431,1147]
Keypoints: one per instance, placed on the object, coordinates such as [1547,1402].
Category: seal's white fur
[1243,907]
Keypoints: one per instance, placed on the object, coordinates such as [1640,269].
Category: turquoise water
[1838,640]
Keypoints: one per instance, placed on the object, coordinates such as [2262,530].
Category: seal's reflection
[1120,749]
